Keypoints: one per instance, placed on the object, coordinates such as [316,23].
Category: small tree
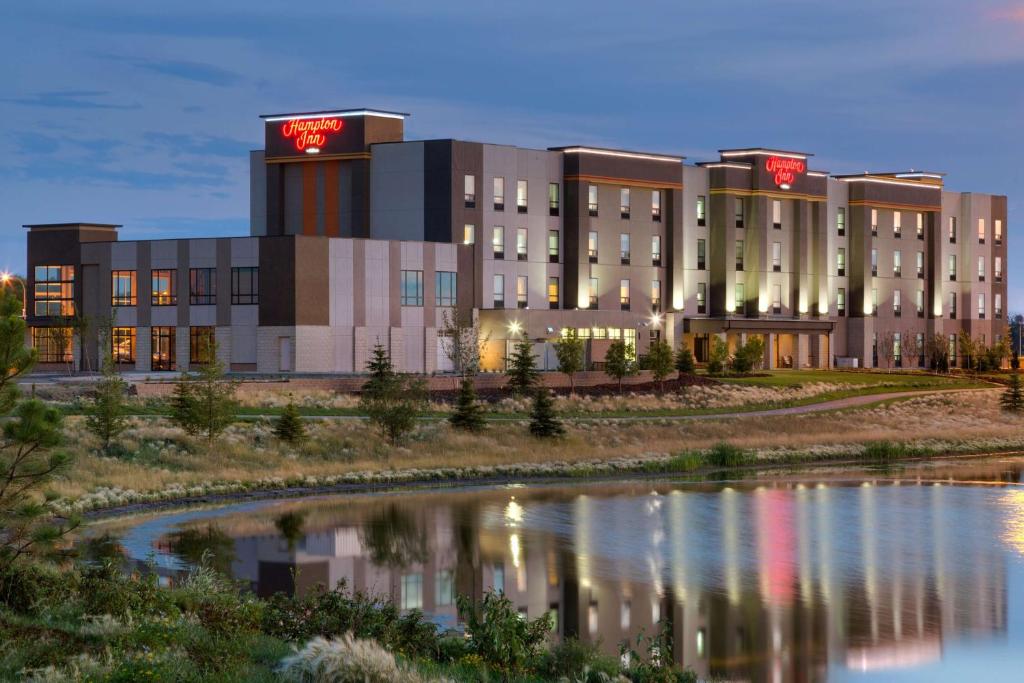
[685,363]
[618,362]
[81,328]
[499,635]
[205,403]
[967,348]
[106,417]
[522,368]
[1012,399]
[718,354]
[544,422]
[289,427]
[60,336]
[461,341]
[887,349]
[569,351]
[910,349]
[748,356]
[393,402]
[660,362]
[937,351]
[469,413]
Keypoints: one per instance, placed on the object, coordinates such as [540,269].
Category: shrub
[499,635]
[575,660]
[392,401]
[26,586]
[685,363]
[717,356]
[748,356]
[345,660]
[726,455]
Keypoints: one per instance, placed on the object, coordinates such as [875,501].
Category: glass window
[701,209]
[245,285]
[593,292]
[981,231]
[874,301]
[656,294]
[521,196]
[841,220]
[201,345]
[897,263]
[499,194]
[624,202]
[412,287]
[522,291]
[777,299]
[122,288]
[553,199]
[469,234]
[592,245]
[777,214]
[897,348]
[624,294]
[739,254]
[998,230]
[624,247]
[469,190]
[656,250]
[841,301]
[444,592]
[738,210]
[498,242]
[841,261]
[920,302]
[122,344]
[412,591]
[920,264]
[981,305]
[777,256]
[740,298]
[981,269]
[897,301]
[53,291]
[952,229]
[445,288]
[951,348]
[897,223]
[874,221]
[521,244]
[997,268]
[202,286]
[997,304]
[656,204]
[592,199]
[499,291]
[874,262]
[53,344]
[920,225]
[162,347]
[702,297]
[163,287]
[553,246]
[553,292]
[952,266]
[701,255]
[952,304]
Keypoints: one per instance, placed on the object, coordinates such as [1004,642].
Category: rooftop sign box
[784,170]
[332,134]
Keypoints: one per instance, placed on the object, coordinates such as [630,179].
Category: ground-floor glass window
[162,343]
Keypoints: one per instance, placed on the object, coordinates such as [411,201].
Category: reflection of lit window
[445,588]
[499,578]
[701,642]
[655,611]
[123,286]
[592,618]
[412,591]
[624,614]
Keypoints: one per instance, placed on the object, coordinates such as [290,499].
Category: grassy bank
[157,461]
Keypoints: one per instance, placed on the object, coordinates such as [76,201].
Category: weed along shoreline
[718,464]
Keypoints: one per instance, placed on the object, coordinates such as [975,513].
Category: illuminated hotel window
[469,190]
[874,262]
[521,195]
[122,288]
[412,591]
[981,306]
[552,199]
[201,345]
[920,265]
[738,210]
[624,294]
[874,301]
[997,305]
[122,344]
[920,303]
[552,246]
[445,288]
[592,199]
[412,287]
[739,254]
[920,225]
[997,268]
[53,344]
[776,299]
[521,244]
[522,291]
[656,205]
[952,229]
[701,255]
[593,293]
[469,234]
[841,262]
[163,287]
[444,592]
[952,305]
[54,291]
[998,231]
[841,221]
[874,222]
[624,202]
[740,298]
[897,224]
[897,349]
[245,286]
[777,214]
[981,269]
[656,295]
[162,348]
[553,293]
[952,267]
[981,231]
[841,302]
[202,286]
[592,246]
[777,257]
[897,303]
[499,194]
[702,297]
[897,263]
[702,205]
[655,250]
[498,241]
[624,249]
[499,291]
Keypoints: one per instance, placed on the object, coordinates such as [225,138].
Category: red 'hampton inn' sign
[784,170]
[310,135]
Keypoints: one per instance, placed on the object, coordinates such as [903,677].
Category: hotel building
[359,236]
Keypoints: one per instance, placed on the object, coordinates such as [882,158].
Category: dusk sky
[142,113]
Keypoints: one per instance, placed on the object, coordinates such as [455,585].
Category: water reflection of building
[760,584]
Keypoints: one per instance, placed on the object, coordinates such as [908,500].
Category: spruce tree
[544,422]
[393,402]
[685,363]
[205,404]
[469,413]
[290,427]
[106,417]
[1012,399]
[522,369]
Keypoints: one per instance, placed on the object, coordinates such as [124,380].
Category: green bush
[499,636]
[884,451]
[576,660]
[727,455]
[25,587]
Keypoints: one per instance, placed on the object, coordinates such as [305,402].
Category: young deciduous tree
[887,349]
[660,362]
[469,413]
[290,427]
[60,335]
[393,402]
[204,403]
[461,341]
[968,350]
[544,422]
[619,362]
[748,356]
[106,417]
[937,352]
[718,355]
[569,351]
[910,349]
[522,369]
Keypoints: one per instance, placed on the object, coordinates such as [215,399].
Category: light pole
[6,279]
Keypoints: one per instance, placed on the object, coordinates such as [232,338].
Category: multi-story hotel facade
[360,237]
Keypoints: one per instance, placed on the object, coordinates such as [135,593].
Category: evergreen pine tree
[1012,399]
[205,404]
[522,369]
[289,427]
[106,416]
[393,402]
[685,363]
[544,422]
[469,413]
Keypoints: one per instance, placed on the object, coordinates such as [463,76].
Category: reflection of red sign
[784,170]
[310,134]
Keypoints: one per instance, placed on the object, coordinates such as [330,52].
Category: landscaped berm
[67,612]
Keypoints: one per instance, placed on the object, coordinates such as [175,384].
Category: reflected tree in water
[208,546]
[394,539]
[290,526]
[102,549]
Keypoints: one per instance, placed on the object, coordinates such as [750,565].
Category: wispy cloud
[201,145]
[196,72]
[69,99]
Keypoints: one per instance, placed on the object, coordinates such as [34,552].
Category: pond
[908,574]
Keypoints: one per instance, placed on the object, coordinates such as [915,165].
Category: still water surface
[914,574]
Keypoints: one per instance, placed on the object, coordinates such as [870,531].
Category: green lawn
[898,380]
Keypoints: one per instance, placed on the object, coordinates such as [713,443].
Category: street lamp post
[6,279]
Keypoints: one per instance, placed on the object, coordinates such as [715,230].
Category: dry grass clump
[345,660]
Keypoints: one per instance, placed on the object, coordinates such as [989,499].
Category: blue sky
[142,113]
